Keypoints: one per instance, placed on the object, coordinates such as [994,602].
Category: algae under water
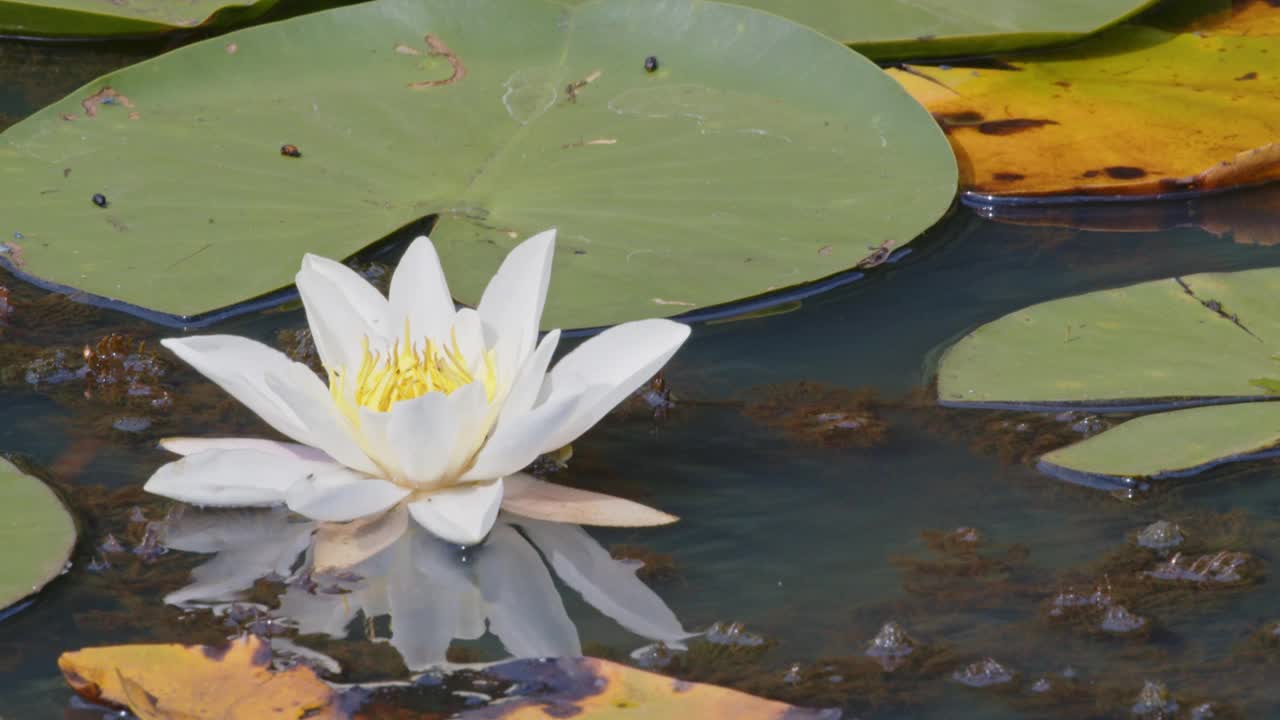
[937,522]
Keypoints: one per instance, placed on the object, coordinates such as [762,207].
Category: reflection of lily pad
[724,173]
[36,534]
[895,29]
[96,18]
[1186,341]
[1134,111]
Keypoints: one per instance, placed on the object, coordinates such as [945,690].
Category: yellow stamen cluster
[406,372]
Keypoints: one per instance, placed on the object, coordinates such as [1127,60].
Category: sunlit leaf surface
[181,682]
[1134,111]
[730,170]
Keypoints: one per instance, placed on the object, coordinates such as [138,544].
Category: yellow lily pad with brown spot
[1134,111]
[594,689]
[195,682]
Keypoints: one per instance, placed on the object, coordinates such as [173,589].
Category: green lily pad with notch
[36,534]
[105,18]
[757,156]
[1175,344]
[902,29]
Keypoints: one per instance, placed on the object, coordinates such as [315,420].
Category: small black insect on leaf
[651,64]
[100,200]
[290,151]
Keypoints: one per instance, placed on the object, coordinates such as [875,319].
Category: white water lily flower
[427,405]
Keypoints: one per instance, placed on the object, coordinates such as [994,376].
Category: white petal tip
[463,515]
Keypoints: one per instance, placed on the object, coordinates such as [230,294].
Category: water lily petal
[472,418]
[611,366]
[239,365]
[519,440]
[342,310]
[420,293]
[529,497]
[528,382]
[375,439]
[327,430]
[231,478]
[606,584]
[422,432]
[192,445]
[338,494]
[468,330]
[512,303]
[463,514]
[525,610]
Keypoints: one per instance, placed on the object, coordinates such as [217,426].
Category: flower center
[406,372]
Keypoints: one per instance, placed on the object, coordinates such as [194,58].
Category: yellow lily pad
[1134,111]
[196,682]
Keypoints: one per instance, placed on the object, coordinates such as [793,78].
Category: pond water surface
[811,536]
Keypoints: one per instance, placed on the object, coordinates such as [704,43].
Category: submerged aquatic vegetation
[984,673]
[1160,535]
[820,415]
[426,405]
[891,646]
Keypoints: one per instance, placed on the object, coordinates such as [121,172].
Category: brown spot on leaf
[1063,84]
[1124,172]
[106,96]
[437,48]
[1012,125]
[1248,76]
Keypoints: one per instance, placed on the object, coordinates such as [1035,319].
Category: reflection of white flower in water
[425,405]
[433,591]
[249,544]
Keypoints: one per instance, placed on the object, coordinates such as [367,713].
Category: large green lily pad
[101,18]
[758,155]
[36,534]
[1210,339]
[900,29]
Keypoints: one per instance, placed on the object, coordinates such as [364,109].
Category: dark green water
[812,546]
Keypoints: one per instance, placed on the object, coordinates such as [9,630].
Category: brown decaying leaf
[197,682]
[595,689]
